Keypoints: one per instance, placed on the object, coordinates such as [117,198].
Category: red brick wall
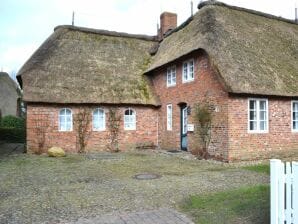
[44,117]
[205,85]
[279,140]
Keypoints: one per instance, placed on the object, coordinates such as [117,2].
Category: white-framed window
[169,117]
[188,71]
[129,119]
[171,76]
[65,119]
[295,116]
[98,119]
[258,115]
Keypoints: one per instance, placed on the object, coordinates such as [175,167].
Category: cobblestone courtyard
[102,186]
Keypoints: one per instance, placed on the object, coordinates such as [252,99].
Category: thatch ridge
[253,53]
[258,13]
[107,32]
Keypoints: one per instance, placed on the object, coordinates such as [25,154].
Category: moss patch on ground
[243,205]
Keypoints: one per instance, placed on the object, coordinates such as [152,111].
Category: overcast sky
[25,24]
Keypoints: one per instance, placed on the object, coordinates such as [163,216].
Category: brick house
[242,62]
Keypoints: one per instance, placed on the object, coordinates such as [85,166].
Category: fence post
[295,192]
[288,196]
[274,176]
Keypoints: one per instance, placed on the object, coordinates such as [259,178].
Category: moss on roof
[79,65]
[255,53]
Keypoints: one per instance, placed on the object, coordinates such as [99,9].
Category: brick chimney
[168,21]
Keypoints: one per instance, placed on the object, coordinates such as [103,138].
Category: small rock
[56,152]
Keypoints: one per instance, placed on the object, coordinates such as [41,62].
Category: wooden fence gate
[284,192]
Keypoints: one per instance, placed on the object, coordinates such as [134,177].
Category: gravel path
[39,189]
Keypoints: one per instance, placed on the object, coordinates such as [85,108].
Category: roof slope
[255,53]
[80,65]
[9,94]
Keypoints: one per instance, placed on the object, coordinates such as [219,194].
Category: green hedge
[10,121]
[13,135]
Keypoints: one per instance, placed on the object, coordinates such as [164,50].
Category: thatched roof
[255,53]
[81,65]
[9,94]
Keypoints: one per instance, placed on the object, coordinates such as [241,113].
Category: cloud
[14,57]
[26,24]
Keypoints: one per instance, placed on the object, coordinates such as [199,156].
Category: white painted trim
[71,127]
[188,80]
[292,118]
[168,127]
[104,120]
[184,114]
[135,115]
[258,131]
[169,68]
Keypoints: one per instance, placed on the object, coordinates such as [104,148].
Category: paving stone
[160,216]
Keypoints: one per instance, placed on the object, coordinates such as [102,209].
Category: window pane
[67,112]
[126,118]
[263,125]
[61,123]
[68,127]
[169,79]
[252,115]
[262,105]
[295,125]
[262,115]
[169,117]
[252,125]
[174,79]
[252,105]
[95,124]
[295,107]
[295,116]
[61,113]
[68,119]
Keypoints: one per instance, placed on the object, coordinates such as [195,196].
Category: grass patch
[243,205]
[260,168]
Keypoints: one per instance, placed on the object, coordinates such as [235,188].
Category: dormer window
[171,76]
[188,71]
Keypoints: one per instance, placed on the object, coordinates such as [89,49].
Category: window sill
[98,130]
[187,81]
[171,85]
[258,132]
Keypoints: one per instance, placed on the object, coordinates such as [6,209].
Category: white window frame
[169,117]
[132,118]
[258,115]
[186,74]
[171,76]
[292,117]
[103,126]
[65,120]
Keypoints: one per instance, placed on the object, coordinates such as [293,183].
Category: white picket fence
[284,192]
